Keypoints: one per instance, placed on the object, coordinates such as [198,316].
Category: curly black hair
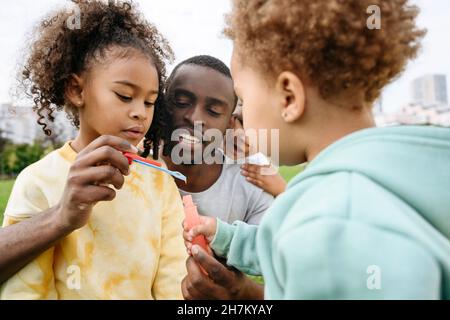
[58,51]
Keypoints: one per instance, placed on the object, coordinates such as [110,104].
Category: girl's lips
[134,134]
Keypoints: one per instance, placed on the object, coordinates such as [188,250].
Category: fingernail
[194,250]
[134,149]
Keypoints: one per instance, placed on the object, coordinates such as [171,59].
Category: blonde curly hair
[327,42]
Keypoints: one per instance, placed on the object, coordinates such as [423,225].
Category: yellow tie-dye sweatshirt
[131,248]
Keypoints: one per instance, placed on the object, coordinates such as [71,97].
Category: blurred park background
[194,27]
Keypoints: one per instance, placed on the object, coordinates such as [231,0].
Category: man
[200,89]
[200,92]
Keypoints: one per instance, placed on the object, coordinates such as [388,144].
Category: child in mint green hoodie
[369,218]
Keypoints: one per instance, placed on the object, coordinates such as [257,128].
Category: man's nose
[194,115]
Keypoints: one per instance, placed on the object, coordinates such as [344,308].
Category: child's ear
[292,93]
[74,91]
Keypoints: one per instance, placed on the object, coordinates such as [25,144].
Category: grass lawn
[289,172]
[5,190]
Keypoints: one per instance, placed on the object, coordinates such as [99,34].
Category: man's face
[203,95]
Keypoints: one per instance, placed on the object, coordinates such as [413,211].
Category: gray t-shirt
[232,198]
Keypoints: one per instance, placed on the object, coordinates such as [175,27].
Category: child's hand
[96,167]
[265,177]
[207,227]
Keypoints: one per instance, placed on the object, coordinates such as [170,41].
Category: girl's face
[117,97]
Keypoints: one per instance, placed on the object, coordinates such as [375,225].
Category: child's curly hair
[60,51]
[326,41]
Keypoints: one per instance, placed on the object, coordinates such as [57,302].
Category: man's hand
[97,167]
[221,283]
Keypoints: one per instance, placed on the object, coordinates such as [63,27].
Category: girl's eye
[123,98]
[149,104]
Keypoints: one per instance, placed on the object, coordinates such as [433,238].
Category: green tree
[3,142]
[15,157]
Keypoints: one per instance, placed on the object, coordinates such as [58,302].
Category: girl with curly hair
[121,222]
[368,217]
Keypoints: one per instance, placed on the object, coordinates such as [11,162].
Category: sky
[194,27]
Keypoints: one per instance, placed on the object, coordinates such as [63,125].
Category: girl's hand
[265,177]
[97,167]
[207,228]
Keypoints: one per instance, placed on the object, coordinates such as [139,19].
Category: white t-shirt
[232,198]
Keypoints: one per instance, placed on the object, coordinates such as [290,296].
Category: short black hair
[203,61]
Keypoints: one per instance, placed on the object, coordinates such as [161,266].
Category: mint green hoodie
[369,218]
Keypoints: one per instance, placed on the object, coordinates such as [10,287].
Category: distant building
[19,124]
[429,106]
[430,90]
[438,115]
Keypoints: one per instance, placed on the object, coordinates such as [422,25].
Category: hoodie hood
[412,162]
